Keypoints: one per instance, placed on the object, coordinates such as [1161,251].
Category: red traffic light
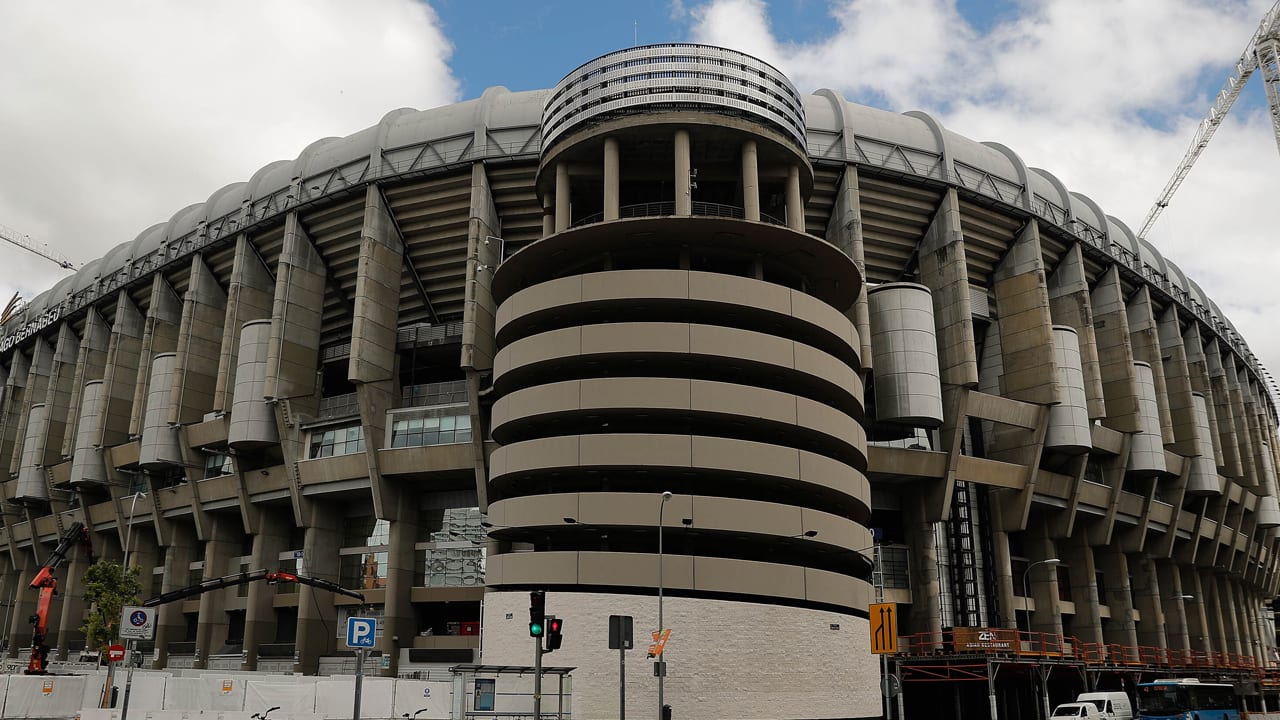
[554,638]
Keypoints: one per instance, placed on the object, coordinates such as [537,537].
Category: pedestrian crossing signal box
[884,628]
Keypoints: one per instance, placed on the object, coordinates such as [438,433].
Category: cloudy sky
[117,115]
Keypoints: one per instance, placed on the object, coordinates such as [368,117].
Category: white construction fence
[213,695]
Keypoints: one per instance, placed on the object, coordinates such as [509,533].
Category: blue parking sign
[361,632]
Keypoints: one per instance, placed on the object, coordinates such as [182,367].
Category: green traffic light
[535,629]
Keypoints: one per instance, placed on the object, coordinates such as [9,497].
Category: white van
[1113,705]
[1077,711]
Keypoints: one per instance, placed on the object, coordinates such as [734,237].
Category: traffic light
[537,613]
[554,638]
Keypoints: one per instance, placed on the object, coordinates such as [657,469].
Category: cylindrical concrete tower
[1146,450]
[252,421]
[31,485]
[159,445]
[693,348]
[1069,419]
[1204,478]
[87,467]
[905,355]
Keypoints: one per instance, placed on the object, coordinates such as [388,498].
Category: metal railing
[667,208]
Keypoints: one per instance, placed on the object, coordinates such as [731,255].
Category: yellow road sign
[884,628]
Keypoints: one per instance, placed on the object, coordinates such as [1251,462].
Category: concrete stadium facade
[461,355]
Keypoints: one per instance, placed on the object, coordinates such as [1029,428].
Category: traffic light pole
[537,678]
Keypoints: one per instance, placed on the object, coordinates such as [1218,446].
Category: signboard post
[362,634]
[620,638]
[136,623]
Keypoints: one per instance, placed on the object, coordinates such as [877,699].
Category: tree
[108,587]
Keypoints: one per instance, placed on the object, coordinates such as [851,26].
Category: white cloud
[1071,86]
[116,115]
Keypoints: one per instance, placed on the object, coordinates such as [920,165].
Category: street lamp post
[128,547]
[662,664]
[1027,610]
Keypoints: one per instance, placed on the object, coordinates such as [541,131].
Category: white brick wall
[724,660]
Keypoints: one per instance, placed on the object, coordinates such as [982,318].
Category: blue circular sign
[137,618]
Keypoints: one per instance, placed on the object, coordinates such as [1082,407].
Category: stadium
[464,353]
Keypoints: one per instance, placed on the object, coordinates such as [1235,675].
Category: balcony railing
[668,209]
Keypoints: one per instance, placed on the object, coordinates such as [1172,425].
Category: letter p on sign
[361,632]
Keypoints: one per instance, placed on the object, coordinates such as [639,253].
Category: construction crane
[1262,53]
[47,584]
[24,241]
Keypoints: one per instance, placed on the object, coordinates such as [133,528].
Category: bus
[1187,699]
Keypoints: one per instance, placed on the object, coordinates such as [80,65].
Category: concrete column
[1198,369]
[1230,615]
[845,231]
[751,182]
[683,166]
[121,372]
[1173,606]
[71,589]
[249,297]
[399,620]
[12,403]
[1084,589]
[159,335]
[1006,600]
[1231,464]
[1068,289]
[1115,568]
[1115,354]
[57,400]
[199,347]
[1146,597]
[1042,583]
[612,190]
[548,215]
[37,387]
[90,364]
[271,539]
[293,351]
[171,623]
[944,271]
[563,190]
[1197,612]
[1026,334]
[24,605]
[374,361]
[317,615]
[926,615]
[1185,439]
[795,203]
[1145,340]
[221,545]
[1239,417]
[479,309]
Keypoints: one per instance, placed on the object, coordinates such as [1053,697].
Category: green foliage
[108,587]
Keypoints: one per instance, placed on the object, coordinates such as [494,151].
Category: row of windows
[328,442]
[420,431]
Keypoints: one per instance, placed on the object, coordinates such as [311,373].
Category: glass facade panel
[421,431]
[363,571]
[328,442]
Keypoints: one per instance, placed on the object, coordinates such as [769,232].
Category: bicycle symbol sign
[138,623]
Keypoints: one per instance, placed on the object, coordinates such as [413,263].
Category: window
[344,440]
[365,531]
[363,571]
[217,465]
[420,431]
